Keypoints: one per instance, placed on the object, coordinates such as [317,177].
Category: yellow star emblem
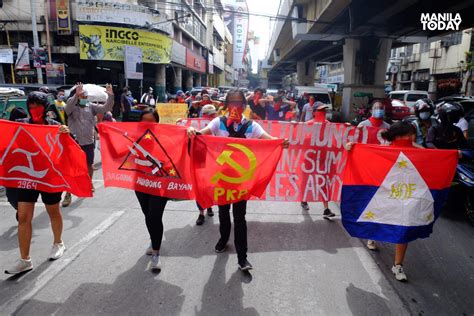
[429,217]
[403,164]
[148,136]
[172,172]
[126,164]
[369,215]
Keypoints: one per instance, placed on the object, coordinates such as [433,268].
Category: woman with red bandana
[376,119]
[37,104]
[400,134]
[235,124]
[319,116]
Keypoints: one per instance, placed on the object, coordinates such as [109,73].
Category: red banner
[228,170]
[311,168]
[39,157]
[146,157]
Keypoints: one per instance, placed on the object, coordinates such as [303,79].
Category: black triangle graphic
[154,170]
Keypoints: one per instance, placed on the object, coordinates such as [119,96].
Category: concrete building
[439,67]
[359,33]
[192,47]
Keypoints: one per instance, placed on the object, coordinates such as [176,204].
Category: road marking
[13,304]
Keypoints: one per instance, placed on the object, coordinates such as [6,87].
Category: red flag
[228,170]
[147,157]
[39,157]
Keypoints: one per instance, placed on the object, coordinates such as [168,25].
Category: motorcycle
[462,191]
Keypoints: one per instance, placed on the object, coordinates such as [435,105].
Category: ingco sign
[244,175]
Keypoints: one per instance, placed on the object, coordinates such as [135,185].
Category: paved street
[303,264]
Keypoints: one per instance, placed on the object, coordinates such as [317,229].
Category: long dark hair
[398,129]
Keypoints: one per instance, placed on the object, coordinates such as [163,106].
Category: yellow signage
[171,112]
[108,43]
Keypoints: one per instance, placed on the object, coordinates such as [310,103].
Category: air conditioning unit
[404,61]
[435,53]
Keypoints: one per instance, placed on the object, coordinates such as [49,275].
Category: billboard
[133,63]
[108,43]
[238,23]
[55,73]
[23,57]
[123,13]
[63,17]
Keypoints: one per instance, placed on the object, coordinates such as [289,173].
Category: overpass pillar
[365,66]
[305,71]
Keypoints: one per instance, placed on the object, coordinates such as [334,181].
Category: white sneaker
[155,263]
[57,251]
[149,250]
[371,244]
[20,266]
[399,273]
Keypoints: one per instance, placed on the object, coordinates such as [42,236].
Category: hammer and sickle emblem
[225,158]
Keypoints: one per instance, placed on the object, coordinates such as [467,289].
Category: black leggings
[153,208]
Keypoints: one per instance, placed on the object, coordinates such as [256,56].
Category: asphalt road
[303,264]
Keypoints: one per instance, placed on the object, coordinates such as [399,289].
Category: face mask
[425,116]
[319,116]
[37,114]
[277,106]
[311,102]
[61,98]
[83,102]
[235,114]
[378,113]
[256,98]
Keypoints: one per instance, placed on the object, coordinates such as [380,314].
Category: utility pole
[39,71]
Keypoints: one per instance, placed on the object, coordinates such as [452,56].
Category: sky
[261,26]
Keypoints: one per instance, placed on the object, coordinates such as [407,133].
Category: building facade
[184,43]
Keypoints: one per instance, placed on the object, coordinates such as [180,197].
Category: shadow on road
[135,288]
[220,297]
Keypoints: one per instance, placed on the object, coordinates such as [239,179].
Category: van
[321,93]
[408,96]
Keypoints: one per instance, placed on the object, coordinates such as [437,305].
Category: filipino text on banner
[227,170]
[170,113]
[398,195]
[310,169]
[146,157]
[38,157]
[108,43]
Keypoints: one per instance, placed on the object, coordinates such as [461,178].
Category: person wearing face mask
[81,115]
[37,104]
[235,124]
[376,119]
[400,134]
[276,110]
[307,111]
[423,112]
[446,135]
[61,104]
[319,116]
[257,105]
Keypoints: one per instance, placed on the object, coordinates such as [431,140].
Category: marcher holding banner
[37,104]
[377,116]
[319,116]
[238,126]
[398,197]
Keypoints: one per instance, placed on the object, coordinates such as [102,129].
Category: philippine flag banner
[395,194]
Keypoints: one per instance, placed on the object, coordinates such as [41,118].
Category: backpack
[236,134]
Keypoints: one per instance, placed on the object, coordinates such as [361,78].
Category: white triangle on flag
[403,198]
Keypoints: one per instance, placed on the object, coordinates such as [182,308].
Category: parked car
[408,96]
[397,109]
[468,105]
[321,94]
